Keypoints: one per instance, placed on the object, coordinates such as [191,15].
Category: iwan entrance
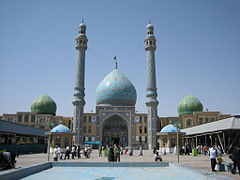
[115,131]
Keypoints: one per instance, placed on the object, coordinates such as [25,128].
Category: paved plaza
[200,161]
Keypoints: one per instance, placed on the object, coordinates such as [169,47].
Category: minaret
[151,101]
[79,102]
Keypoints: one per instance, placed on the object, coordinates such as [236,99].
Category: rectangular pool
[111,171]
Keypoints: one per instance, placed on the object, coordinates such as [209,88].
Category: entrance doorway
[115,140]
[115,131]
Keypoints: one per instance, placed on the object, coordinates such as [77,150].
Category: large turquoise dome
[116,90]
[189,104]
[44,105]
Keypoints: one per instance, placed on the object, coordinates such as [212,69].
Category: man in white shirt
[213,156]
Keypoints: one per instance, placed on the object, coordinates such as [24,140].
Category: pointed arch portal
[115,131]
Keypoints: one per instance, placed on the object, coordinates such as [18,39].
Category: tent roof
[10,127]
[232,123]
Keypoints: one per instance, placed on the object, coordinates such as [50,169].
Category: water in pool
[112,173]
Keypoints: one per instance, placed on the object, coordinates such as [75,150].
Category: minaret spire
[151,94]
[79,102]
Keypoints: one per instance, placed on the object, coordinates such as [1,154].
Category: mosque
[116,99]
[115,120]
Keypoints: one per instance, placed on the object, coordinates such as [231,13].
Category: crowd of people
[114,152]
[215,153]
[74,152]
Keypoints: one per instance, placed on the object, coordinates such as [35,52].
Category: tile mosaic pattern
[116,89]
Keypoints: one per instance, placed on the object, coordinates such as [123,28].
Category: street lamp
[48,146]
[177,125]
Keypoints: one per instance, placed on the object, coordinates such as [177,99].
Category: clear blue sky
[198,51]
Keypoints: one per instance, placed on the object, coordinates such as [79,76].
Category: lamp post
[177,125]
[48,147]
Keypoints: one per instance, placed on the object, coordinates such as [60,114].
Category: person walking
[141,151]
[67,153]
[110,154]
[89,150]
[213,156]
[131,152]
[79,151]
[204,150]
[73,151]
[175,150]
[85,151]
[55,153]
[187,150]
[117,151]
[236,160]
[59,152]
[100,151]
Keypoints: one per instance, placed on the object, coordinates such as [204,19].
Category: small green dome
[189,104]
[44,105]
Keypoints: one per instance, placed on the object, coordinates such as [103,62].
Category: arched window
[189,122]
[89,129]
[145,129]
[140,129]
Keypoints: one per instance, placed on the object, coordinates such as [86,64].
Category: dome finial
[116,63]
[149,21]
[82,21]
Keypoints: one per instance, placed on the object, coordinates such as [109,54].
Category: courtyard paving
[199,161]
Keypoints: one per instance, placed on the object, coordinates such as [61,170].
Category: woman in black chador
[110,154]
